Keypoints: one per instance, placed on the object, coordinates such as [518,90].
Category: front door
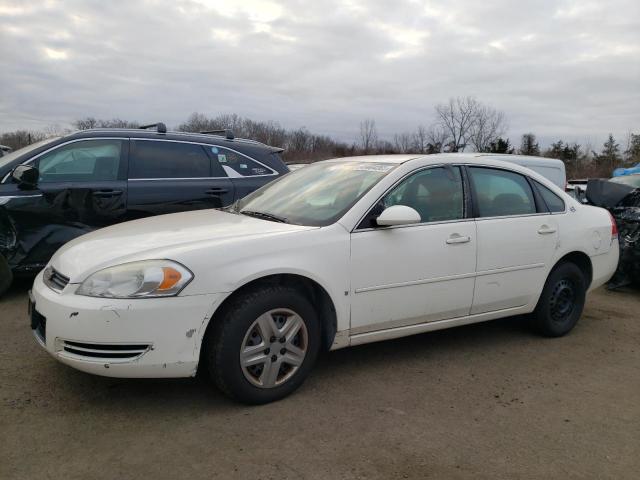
[81,187]
[415,273]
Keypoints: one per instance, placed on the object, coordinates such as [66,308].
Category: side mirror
[398,215]
[26,176]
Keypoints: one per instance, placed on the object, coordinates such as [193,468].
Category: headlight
[148,278]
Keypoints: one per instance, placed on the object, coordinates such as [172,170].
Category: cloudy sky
[559,68]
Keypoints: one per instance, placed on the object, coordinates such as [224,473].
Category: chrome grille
[54,279]
[104,350]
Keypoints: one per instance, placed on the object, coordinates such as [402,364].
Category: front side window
[553,201]
[435,193]
[500,192]
[83,161]
[236,165]
[317,195]
[164,159]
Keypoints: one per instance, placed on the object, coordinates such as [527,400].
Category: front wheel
[561,302]
[263,344]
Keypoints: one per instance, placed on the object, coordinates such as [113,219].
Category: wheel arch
[581,260]
[311,288]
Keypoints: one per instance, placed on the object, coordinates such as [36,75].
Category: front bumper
[154,337]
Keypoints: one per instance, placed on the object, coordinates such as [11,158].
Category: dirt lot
[484,401]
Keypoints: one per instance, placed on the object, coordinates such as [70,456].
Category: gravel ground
[483,401]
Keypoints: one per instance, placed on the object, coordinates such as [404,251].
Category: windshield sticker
[243,165]
[214,149]
[222,158]
[258,171]
[373,167]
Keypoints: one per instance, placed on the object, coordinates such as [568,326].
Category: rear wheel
[561,302]
[263,344]
[6,276]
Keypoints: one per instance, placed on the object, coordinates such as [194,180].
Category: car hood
[159,237]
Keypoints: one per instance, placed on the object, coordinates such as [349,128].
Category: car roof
[478,158]
[394,159]
[170,135]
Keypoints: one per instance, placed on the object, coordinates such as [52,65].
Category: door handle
[216,191]
[546,230]
[106,193]
[457,238]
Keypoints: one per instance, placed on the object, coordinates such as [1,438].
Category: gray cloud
[559,68]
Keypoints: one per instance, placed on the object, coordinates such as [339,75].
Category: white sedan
[342,252]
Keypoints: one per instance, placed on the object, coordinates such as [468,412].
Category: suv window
[553,201]
[83,161]
[435,193]
[164,159]
[236,165]
[500,192]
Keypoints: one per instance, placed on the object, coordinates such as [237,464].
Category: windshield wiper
[264,216]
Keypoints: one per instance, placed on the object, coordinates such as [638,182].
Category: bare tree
[437,138]
[402,142]
[85,123]
[21,138]
[420,139]
[457,118]
[488,126]
[91,122]
[466,122]
[368,135]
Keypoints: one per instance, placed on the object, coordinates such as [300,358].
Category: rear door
[517,238]
[82,186]
[167,176]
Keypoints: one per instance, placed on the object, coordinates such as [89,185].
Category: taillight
[614,227]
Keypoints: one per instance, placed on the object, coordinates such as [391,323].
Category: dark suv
[60,188]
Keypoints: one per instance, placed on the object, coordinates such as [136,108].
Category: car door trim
[55,147]
[538,199]
[359,336]
[448,278]
[398,182]
[273,172]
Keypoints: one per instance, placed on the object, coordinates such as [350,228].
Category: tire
[6,275]
[561,302]
[254,323]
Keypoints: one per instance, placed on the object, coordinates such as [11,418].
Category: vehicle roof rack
[160,127]
[228,133]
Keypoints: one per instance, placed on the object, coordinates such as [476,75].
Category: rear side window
[83,161]
[500,192]
[163,159]
[236,165]
[553,201]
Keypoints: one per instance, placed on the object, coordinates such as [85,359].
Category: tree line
[461,124]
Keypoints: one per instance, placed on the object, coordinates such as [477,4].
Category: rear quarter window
[237,165]
[553,201]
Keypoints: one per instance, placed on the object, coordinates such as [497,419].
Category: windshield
[9,157]
[316,195]
[633,180]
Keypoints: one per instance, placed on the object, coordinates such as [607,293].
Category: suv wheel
[263,345]
[561,302]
